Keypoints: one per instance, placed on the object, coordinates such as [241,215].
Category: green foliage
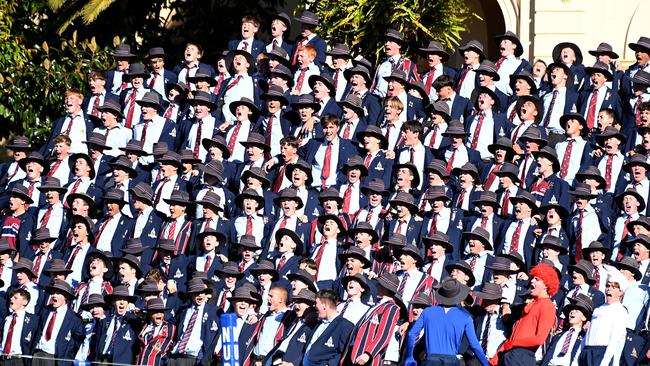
[32,91]
[361,24]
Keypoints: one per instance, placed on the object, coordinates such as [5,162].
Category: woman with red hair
[536,322]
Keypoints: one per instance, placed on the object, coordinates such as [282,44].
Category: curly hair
[546,274]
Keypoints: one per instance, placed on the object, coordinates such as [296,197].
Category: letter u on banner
[230,343]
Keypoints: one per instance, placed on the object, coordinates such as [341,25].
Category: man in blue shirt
[444,326]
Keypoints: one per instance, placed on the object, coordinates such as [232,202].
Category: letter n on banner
[228,340]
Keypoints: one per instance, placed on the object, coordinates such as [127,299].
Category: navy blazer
[454,231]
[474,156]
[177,69]
[183,132]
[255,49]
[461,107]
[48,146]
[605,226]
[126,341]
[412,232]
[414,109]
[558,190]
[122,233]
[528,242]
[177,271]
[44,279]
[548,356]
[611,100]
[321,47]
[327,349]
[149,236]
[285,124]
[497,226]
[85,274]
[296,348]
[331,108]
[30,328]
[308,152]
[500,125]
[210,328]
[69,337]
[381,168]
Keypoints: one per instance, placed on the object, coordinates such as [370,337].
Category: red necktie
[513,113]
[505,204]
[172,228]
[434,136]
[549,112]
[224,296]
[73,256]
[367,160]
[129,115]
[217,87]
[459,204]
[95,111]
[10,333]
[347,130]
[275,43]
[101,230]
[463,75]
[515,133]
[400,226]
[282,261]
[208,263]
[143,138]
[280,178]
[169,112]
[153,80]
[524,172]
[608,172]
[565,160]
[472,263]
[484,221]
[637,112]
[336,79]
[37,264]
[347,196]
[301,79]
[388,128]
[245,44]
[427,86]
[207,224]
[625,231]
[69,128]
[249,225]
[233,138]
[579,236]
[197,141]
[325,173]
[492,177]
[242,265]
[269,131]
[319,256]
[450,163]
[477,130]
[294,60]
[514,243]
[160,190]
[591,112]
[499,63]
[434,225]
[232,84]
[50,326]
[54,168]
[596,277]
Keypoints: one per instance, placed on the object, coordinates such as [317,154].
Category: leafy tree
[361,24]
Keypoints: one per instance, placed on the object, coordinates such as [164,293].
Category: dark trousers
[43,359]
[592,355]
[15,361]
[441,360]
[177,360]
[517,357]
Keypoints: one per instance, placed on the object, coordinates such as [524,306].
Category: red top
[535,324]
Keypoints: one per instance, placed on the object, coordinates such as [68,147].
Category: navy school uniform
[548,356]
[500,125]
[501,196]
[474,156]
[94,190]
[4,199]
[528,240]
[183,130]
[328,348]
[321,47]
[414,109]
[603,221]
[210,328]
[473,195]
[454,230]
[303,230]
[372,108]
[124,349]
[261,125]
[620,183]
[44,279]
[290,265]
[558,190]
[223,227]
[498,223]
[461,107]
[85,274]
[27,335]
[380,167]
[214,265]
[579,77]
[308,152]
[531,170]
[69,337]
[331,107]
[150,234]
[412,232]
[177,69]
[254,49]
[611,100]
[177,271]
[182,234]
[122,232]
[296,347]
[57,129]
[366,298]
[263,236]
[24,233]
[229,208]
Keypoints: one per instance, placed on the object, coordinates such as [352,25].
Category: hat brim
[560,46]
[467,271]
[519,50]
[468,235]
[112,297]
[452,300]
